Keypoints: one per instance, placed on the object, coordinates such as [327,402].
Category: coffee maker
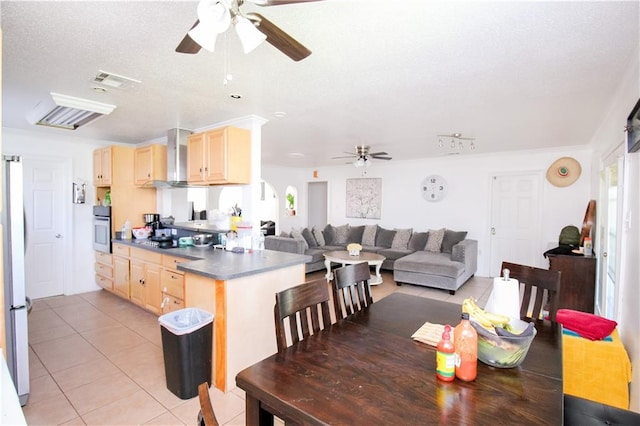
[152,220]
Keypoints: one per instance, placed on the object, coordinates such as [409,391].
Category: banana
[484,318]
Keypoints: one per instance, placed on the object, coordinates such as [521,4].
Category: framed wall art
[364,198]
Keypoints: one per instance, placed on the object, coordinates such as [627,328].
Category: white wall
[467,205]
[79,273]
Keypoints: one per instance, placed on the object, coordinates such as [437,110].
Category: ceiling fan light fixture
[215,13]
[249,35]
[360,162]
[204,36]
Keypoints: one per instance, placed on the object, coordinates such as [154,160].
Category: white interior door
[318,204]
[515,220]
[45,205]
[609,222]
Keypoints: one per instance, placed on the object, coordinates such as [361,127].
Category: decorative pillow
[434,241]
[418,241]
[342,232]
[329,234]
[369,235]
[309,238]
[317,233]
[285,234]
[355,234]
[384,237]
[296,234]
[451,238]
[401,239]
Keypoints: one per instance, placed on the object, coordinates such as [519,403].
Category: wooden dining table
[366,369]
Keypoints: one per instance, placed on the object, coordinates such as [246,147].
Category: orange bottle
[446,357]
[465,341]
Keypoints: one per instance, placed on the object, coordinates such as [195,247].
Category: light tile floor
[96,359]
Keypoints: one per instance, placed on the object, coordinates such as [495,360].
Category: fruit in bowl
[503,342]
[141,232]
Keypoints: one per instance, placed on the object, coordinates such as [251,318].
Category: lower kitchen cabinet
[172,284]
[104,270]
[121,276]
[145,270]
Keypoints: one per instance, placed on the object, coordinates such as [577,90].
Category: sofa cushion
[316,254]
[309,238]
[329,234]
[342,232]
[451,238]
[317,233]
[369,235]
[384,237]
[401,239]
[393,254]
[418,241]
[355,234]
[430,263]
[297,235]
[434,241]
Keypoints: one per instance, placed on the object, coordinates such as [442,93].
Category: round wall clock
[434,188]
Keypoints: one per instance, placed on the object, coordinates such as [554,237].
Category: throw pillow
[355,234]
[418,241]
[329,234]
[309,238]
[319,237]
[369,235]
[434,242]
[285,234]
[401,239]
[451,238]
[296,234]
[384,237]
[342,232]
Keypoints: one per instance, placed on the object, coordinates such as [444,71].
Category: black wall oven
[102,228]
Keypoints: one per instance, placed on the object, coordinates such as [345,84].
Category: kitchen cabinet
[102,167]
[104,270]
[144,267]
[172,284]
[150,163]
[577,281]
[219,156]
[121,276]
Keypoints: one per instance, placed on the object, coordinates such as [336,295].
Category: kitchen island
[239,289]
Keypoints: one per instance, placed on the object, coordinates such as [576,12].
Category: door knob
[58,236]
[493,231]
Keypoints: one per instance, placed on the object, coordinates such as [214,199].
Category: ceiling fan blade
[278,2]
[278,38]
[378,153]
[187,45]
[344,156]
[381,158]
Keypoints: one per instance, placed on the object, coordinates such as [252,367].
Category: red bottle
[465,341]
[446,357]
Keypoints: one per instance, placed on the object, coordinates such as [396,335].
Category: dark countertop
[197,226]
[225,265]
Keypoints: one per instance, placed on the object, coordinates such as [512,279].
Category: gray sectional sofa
[441,258]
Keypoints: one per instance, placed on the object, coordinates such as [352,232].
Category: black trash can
[186,345]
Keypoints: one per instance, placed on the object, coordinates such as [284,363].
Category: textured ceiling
[393,75]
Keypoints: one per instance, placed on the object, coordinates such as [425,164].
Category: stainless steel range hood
[176,160]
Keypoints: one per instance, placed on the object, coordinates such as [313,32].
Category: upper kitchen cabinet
[150,163]
[102,167]
[219,156]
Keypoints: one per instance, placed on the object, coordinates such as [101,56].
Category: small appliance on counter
[152,220]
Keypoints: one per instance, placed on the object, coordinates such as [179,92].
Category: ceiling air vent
[67,112]
[114,80]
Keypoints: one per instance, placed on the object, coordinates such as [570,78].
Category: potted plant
[291,200]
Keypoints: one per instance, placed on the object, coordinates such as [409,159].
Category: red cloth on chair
[587,325]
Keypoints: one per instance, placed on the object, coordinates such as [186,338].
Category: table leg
[378,278]
[327,264]
[256,415]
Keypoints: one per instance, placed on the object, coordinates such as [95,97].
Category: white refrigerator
[15,298]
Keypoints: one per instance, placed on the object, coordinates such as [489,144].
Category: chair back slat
[305,307]
[544,282]
[351,289]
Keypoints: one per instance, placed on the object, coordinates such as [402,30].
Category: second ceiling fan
[362,156]
[215,17]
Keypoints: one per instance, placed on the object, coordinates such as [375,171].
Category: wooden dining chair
[300,306]
[206,416]
[351,289]
[547,289]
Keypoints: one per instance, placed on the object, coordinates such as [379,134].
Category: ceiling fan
[362,156]
[215,17]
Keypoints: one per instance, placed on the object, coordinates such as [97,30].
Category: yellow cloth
[596,370]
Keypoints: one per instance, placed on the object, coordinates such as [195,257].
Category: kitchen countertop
[197,225]
[225,265]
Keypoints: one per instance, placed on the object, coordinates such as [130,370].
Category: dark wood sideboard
[577,282]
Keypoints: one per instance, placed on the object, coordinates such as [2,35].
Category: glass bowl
[503,351]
